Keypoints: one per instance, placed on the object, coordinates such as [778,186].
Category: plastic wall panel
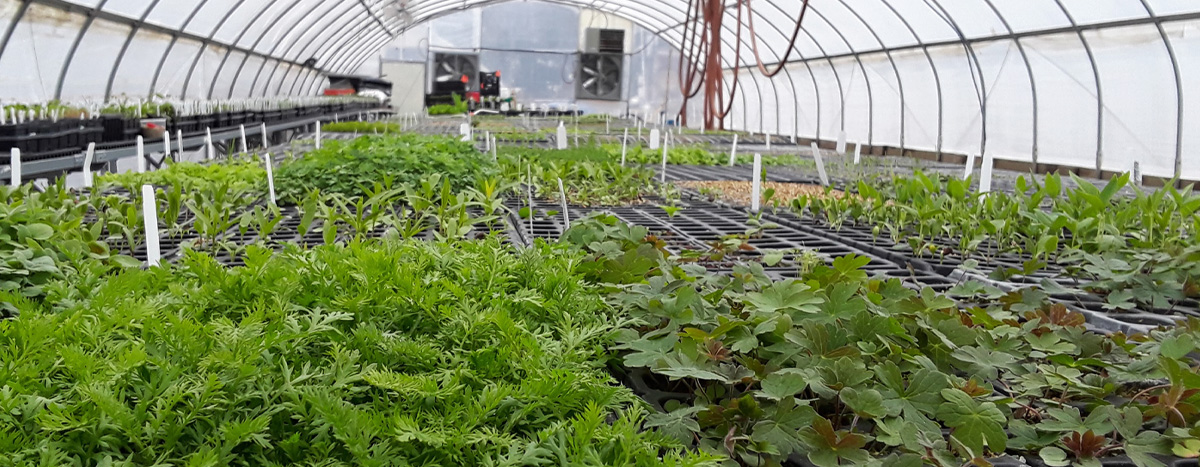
[261,87]
[961,93]
[204,73]
[137,68]
[885,90]
[130,8]
[31,64]
[175,68]
[857,97]
[241,86]
[806,101]
[314,27]
[1067,100]
[239,21]
[929,25]
[172,13]
[1185,37]
[531,26]
[1100,11]
[889,27]
[1009,102]
[457,31]
[223,82]
[210,15]
[87,76]
[921,100]
[289,26]
[850,27]
[539,77]
[1139,119]
[290,84]
[1172,7]
[1031,15]
[974,17]
[268,19]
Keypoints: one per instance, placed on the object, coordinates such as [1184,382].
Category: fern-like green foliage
[388,353]
[349,168]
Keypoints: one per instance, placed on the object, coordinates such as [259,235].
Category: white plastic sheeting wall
[1085,83]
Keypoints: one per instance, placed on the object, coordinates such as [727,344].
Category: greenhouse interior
[724,233]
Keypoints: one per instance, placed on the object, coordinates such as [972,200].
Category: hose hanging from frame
[701,57]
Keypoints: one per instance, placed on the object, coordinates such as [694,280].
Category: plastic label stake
[560,136]
[841,143]
[270,178]
[654,138]
[208,144]
[15,161]
[970,166]
[756,184]
[150,217]
[985,174]
[141,155]
[1137,173]
[820,164]
[87,165]
[662,176]
[179,143]
[495,151]
[733,151]
[857,153]
[624,146]
[166,145]
[265,137]
[243,130]
[529,191]
[768,138]
[562,195]
[318,137]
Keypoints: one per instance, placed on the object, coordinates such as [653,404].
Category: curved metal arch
[1028,70]
[364,44]
[937,78]
[112,76]
[353,61]
[787,72]
[66,65]
[238,74]
[891,60]
[271,77]
[1162,32]
[866,79]
[1087,48]
[981,90]
[334,42]
[166,53]
[188,80]
[225,57]
[358,23]
[645,12]
[357,18]
[275,48]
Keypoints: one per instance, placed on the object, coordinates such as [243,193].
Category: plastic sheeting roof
[981,76]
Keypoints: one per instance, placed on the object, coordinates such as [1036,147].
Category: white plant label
[970,166]
[561,136]
[662,176]
[733,151]
[208,144]
[985,174]
[179,141]
[318,137]
[841,142]
[654,138]
[495,151]
[141,155]
[1137,173]
[266,139]
[624,146]
[87,165]
[756,184]
[529,191]
[820,164]
[243,130]
[15,161]
[768,138]
[150,218]
[270,177]
[166,145]
[857,153]
[562,196]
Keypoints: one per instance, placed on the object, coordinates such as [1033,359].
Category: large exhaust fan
[455,73]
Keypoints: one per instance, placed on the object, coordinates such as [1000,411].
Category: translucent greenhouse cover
[1086,83]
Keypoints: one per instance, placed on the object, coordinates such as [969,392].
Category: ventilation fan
[599,76]
[455,73]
